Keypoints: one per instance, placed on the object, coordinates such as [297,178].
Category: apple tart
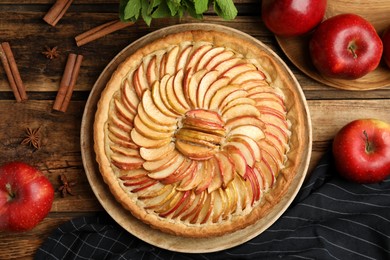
[195,133]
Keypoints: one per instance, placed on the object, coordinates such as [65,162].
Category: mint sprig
[132,10]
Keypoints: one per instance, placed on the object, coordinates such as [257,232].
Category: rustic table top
[22,26]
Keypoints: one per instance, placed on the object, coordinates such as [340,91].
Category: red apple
[345,46]
[386,46]
[292,17]
[361,151]
[26,196]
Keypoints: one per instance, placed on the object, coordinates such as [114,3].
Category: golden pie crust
[197,134]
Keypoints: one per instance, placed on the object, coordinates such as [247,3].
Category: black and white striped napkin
[329,219]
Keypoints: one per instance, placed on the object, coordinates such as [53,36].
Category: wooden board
[297,48]
[136,227]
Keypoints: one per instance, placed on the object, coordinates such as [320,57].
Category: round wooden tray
[375,11]
[136,227]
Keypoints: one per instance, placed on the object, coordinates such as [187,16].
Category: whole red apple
[386,46]
[292,17]
[345,46]
[361,150]
[26,196]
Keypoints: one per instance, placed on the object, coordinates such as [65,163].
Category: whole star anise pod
[33,137]
[51,53]
[66,187]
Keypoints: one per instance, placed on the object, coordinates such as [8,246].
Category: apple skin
[292,17]
[386,46]
[345,46]
[26,197]
[361,150]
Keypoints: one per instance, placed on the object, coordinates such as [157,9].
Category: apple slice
[194,215]
[149,132]
[183,57]
[120,133]
[170,63]
[216,181]
[245,150]
[181,172]
[226,65]
[151,71]
[219,206]
[188,135]
[123,111]
[193,85]
[207,56]
[133,174]
[117,149]
[208,79]
[176,205]
[172,99]
[146,142]
[165,81]
[121,142]
[250,74]
[204,124]
[140,81]
[256,190]
[266,173]
[186,205]
[251,131]
[197,53]
[157,99]
[220,95]
[232,196]
[218,59]
[251,144]
[226,167]
[239,93]
[129,96]
[271,161]
[208,115]
[238,159]
[226,202]
[167,171]
[239,69]
[207,209]
[194,151]
[243,192]
[244,120]
[126,162]
[240,110]
[162,63]
[250,85]
[207,171]
[178,89]
[238,101]
[210,92]
[145,119]
[193,180]
[161,163]
[154,113]
[152,154]
[153,193]
[158,202]
[121,124]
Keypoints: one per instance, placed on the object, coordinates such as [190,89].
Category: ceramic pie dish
[200,131]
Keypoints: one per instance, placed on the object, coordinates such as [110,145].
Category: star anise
[33,137]
[66,187]
[51,53]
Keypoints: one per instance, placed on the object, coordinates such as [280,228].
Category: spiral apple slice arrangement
[197,134]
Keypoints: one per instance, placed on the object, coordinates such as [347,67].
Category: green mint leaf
[152,5]
[201,6]
[132,9]
[225,9]
[190,8]
[162,10]
[145,12]
[173,6]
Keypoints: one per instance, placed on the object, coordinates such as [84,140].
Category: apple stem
[368,143]
[351,47]
[9,190]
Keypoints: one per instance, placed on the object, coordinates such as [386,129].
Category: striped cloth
[329,219]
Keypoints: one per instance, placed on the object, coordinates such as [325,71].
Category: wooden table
[21,24]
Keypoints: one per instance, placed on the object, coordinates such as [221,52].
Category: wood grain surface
[21,24]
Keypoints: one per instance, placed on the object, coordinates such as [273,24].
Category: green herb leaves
[132,10]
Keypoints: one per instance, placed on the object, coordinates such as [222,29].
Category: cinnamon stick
[68,82]
[57,11]
[100,31]
[11,69]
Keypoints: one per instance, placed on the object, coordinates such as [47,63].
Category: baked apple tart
[196,134]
